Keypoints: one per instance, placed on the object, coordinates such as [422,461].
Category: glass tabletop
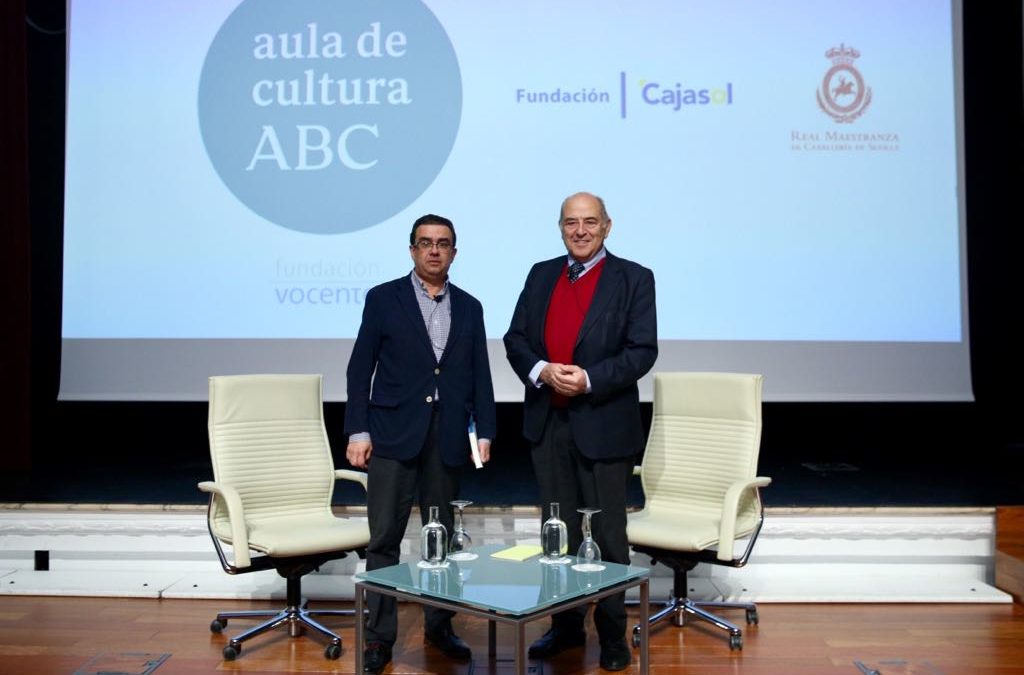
[505,586]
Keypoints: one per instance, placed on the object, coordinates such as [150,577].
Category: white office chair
[271,494]
[701,489]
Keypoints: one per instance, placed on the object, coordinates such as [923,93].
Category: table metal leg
[645,627]
[492,640]
[360,621]
[520,648]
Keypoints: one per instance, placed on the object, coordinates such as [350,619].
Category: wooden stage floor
[86,636]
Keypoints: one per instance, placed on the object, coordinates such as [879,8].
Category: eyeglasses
[589,224]
[427,244]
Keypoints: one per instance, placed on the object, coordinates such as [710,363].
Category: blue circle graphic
[327,117]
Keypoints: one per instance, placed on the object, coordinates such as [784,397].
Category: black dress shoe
[556,641]
[376,657]
[616,655]
[450,644]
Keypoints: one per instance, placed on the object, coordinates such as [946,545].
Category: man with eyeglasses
[417,375]
[582,334]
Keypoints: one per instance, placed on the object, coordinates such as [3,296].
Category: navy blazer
[393,350]
[617,345]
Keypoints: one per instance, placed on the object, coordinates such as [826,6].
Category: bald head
[585,196]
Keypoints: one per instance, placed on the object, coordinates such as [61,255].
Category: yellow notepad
[519,553]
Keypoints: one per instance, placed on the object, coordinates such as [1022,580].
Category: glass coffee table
[502,591]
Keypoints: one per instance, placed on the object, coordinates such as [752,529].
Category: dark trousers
[391,485]
[567,477]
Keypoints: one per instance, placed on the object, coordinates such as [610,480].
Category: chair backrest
[268,442]
[705,436]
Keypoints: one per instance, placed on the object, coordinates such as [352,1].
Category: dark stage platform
[817,454]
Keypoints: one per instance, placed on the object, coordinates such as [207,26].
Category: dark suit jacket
[393,348]
[617,345]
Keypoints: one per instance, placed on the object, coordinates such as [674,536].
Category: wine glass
[589,554]
[461,545]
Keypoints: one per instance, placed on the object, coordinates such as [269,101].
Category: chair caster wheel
[231,652]
[752,616]
[735,642]
[332,652]
[636,637]
[217,625]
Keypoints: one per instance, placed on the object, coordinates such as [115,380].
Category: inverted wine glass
[461,545]
[589,554]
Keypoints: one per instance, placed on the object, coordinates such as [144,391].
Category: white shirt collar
[587,266]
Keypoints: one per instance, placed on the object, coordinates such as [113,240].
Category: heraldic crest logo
[843,95]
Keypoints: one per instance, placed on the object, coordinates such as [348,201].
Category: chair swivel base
[296,617]
[678,608]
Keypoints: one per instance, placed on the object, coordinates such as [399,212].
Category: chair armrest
[730,507]
[236,516]
[354,476]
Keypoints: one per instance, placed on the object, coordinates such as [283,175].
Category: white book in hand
[474,445]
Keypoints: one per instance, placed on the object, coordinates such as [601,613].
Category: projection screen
[240,173]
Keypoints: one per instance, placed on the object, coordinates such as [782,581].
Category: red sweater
[566,311]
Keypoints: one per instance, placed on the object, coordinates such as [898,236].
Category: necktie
[575,270]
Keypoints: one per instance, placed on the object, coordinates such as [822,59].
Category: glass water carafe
[433,542]
[554,539]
